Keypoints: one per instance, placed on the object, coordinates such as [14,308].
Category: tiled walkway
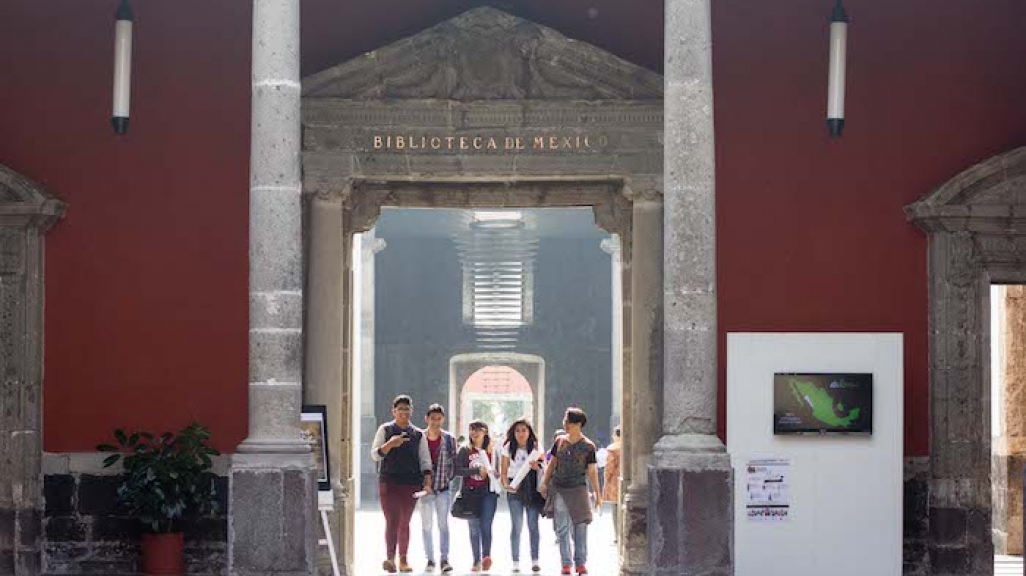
[370,524]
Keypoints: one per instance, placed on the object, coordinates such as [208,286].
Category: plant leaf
[120,435]
[106,448]
[110,460]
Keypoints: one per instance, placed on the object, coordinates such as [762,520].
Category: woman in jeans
[476,464]
[521,449]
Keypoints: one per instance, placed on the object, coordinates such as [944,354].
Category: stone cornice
[26,203]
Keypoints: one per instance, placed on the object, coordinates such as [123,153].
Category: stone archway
[532,368]
[27,211]
[976,224]
[486,111]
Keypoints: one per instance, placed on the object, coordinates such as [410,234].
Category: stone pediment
[24,202]
[990,197]
[487,54]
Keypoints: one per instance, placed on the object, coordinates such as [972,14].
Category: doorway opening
[1008,423]
[492,322]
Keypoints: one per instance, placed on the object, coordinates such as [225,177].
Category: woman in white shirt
[521,456]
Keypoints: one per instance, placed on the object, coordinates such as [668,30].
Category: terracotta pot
[163,554]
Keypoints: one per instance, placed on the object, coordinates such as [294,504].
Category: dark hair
[436,409]
[576,416]
[402,399]
[616,432]
[511,436]
[487,439]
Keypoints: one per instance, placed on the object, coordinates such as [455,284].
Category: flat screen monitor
[813,403]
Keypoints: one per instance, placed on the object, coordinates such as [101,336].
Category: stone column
[371,245]
[1009,447]
[641,418]
[691,527]
[273,490]
[611,246]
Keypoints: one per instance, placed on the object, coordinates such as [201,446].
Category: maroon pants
[398,503]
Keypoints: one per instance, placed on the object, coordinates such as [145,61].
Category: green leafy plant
[167,477]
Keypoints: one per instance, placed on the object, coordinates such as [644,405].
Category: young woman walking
[477,463]
[520,450]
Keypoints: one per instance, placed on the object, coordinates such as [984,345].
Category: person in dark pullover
[405,460]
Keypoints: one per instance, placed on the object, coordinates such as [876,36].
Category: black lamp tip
[836,126]
[839,15]
[124,12]
[120,124]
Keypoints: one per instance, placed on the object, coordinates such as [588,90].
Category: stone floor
[1008,566]
[370,523]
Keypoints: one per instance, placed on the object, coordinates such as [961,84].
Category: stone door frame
[27,211]
[334,221]
[976,223]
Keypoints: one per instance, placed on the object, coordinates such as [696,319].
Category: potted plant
[167,479]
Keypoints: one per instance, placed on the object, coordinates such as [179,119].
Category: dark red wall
[146,277]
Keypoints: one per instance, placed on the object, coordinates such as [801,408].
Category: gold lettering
[377,143]
[436,142]
[539,142]
[450,140]
[477,142]
[586,143]
[400,142]
[412,141]
[520,143]
[509,143]
[463,143]
[568,142]
[553,142]
[492,144]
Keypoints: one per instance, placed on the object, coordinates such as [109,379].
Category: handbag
[467,504]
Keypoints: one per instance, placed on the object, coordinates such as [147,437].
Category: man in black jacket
[405,468]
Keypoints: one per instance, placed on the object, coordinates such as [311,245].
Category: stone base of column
[634,534]
[691,499]
[272,528]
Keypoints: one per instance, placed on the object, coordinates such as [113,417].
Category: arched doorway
[498,395]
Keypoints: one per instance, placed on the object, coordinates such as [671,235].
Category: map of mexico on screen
[823,404]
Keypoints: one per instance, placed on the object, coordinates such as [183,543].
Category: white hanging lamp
[838,69]
[122,67]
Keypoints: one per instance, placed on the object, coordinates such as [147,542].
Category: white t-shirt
[515,462]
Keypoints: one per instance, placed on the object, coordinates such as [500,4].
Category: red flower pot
[163,553]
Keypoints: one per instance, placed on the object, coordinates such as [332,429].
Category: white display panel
[845,515]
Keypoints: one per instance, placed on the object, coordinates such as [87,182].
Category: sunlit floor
[1007,565]
[370,545]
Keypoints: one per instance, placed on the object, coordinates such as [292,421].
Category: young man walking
[565,487]
[405,468]
[442,447]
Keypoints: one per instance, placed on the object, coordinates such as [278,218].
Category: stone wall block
[948,526]
[275,137]
[300,495]
[275,228]
[276,355]
[66,529]
[689,124]
[687,522]
[276,310]
[690,408]
[98,495]
[275,414]
[261,526]
[276,42]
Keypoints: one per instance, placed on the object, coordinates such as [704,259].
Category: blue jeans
[563,525]
[481,527]
[517,507]
[437,504]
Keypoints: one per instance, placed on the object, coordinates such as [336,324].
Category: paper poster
[768,490]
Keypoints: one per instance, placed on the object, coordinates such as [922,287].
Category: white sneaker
[516,566]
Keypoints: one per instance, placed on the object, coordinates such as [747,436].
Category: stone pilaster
[960,490]
[611,246]
[273,466]
[691,524]
[641,426]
